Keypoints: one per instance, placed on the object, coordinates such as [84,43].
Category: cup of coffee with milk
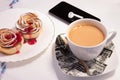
[87,38]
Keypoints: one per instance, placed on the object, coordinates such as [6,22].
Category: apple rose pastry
[29,25]
[10,41]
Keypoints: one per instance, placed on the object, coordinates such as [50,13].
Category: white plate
[63,61]
[8,19]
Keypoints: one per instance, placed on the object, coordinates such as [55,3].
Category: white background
[43,67]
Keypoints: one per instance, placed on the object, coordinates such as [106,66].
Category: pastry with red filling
[29,25]
[10,41]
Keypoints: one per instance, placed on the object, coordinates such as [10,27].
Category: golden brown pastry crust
[29,25]
[8,41]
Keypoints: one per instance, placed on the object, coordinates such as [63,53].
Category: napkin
[71,65]
[3,64]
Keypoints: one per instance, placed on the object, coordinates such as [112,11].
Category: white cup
[89,52]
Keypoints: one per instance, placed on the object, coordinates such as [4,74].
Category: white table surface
[43,67]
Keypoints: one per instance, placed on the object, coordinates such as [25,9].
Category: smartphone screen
[62,10]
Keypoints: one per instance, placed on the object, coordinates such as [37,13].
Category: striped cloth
[12,3]
[2,68]
[3,64]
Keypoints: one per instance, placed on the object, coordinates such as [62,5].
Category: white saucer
[63,54]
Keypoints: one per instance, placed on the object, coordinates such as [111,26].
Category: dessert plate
[70,65]
[8,19]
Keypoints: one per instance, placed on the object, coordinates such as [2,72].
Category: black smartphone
[70,13]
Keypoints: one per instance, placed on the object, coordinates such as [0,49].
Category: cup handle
[111,35]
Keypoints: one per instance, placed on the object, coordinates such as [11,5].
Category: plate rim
[40,52]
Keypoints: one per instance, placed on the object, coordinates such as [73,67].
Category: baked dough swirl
[29,25]
[10,41]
